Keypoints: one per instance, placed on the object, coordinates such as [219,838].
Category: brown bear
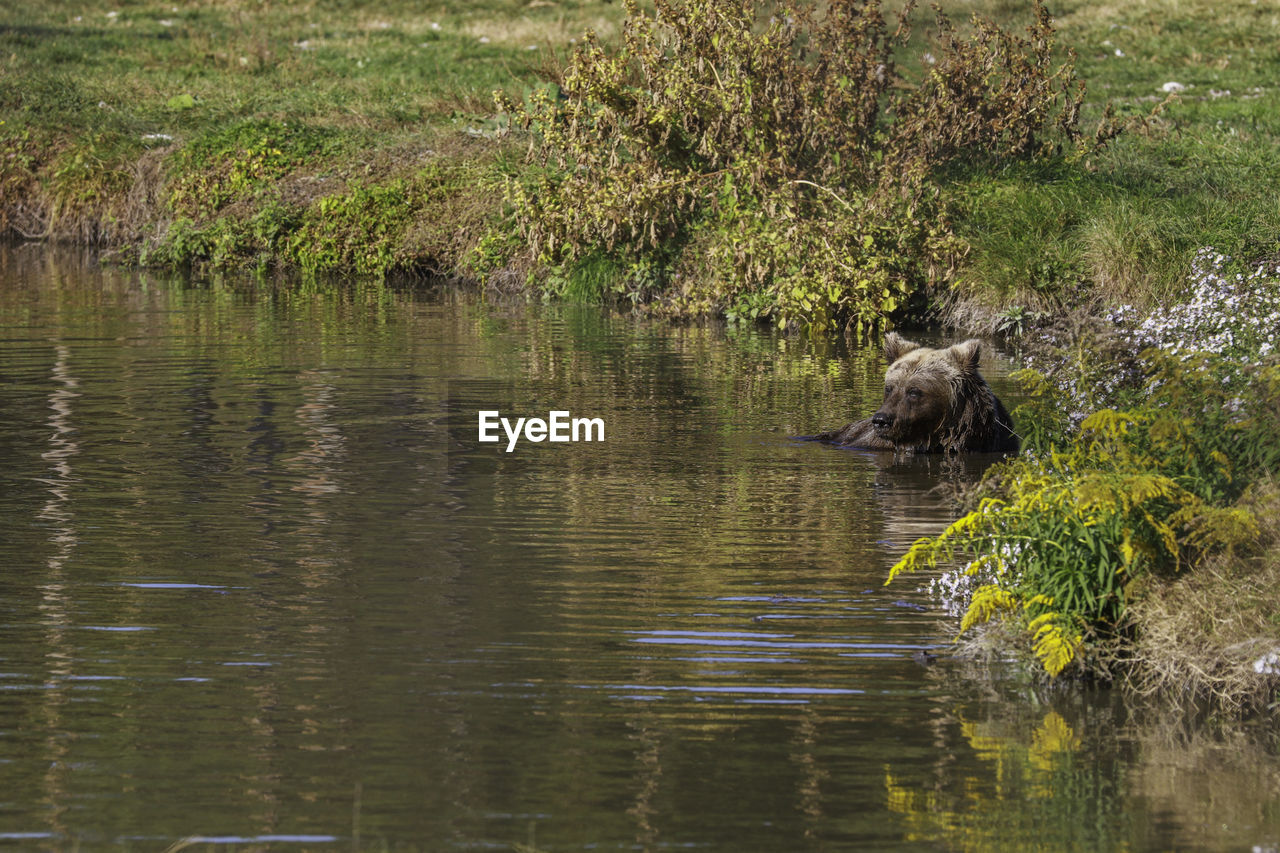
[935,401]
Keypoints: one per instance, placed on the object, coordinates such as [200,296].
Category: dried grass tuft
[1206,636]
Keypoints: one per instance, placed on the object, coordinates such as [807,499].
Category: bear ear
[896,346]
[966,355]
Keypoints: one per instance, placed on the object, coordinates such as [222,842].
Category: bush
[1065,533]
[1061,544]
[775,164]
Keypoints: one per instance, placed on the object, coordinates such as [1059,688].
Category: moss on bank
[421,208]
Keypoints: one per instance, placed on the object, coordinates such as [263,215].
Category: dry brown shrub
[1200,637]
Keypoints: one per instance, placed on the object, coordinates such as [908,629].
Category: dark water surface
[260,584]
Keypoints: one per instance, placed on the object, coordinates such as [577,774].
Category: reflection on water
[262,587]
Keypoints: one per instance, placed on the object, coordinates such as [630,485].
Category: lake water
[262,588]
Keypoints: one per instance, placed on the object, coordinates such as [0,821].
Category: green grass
[1202,175]
[1130,227]
[93,66]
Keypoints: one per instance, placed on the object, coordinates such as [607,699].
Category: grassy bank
[338,136]
[899,170]
[355,138]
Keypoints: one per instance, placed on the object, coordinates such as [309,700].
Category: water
[261,587]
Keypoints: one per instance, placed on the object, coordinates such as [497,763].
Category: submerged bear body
[935,401]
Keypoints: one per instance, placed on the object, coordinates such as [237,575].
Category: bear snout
[882,421]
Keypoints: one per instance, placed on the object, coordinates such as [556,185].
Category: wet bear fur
[935,401]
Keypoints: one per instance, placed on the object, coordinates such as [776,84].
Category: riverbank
[349,141]
[243,135]
[355,142]
[1134,539]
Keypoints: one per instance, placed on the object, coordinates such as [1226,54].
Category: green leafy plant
[235,162]
[358,230]
[1063,534]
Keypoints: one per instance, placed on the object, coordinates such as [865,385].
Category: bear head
[923,388]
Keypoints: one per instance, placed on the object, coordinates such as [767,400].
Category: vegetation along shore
[1097,182]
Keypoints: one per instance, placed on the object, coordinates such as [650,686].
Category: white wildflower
[1268,664]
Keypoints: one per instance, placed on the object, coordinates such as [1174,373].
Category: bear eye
[888,389]
[914,393]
